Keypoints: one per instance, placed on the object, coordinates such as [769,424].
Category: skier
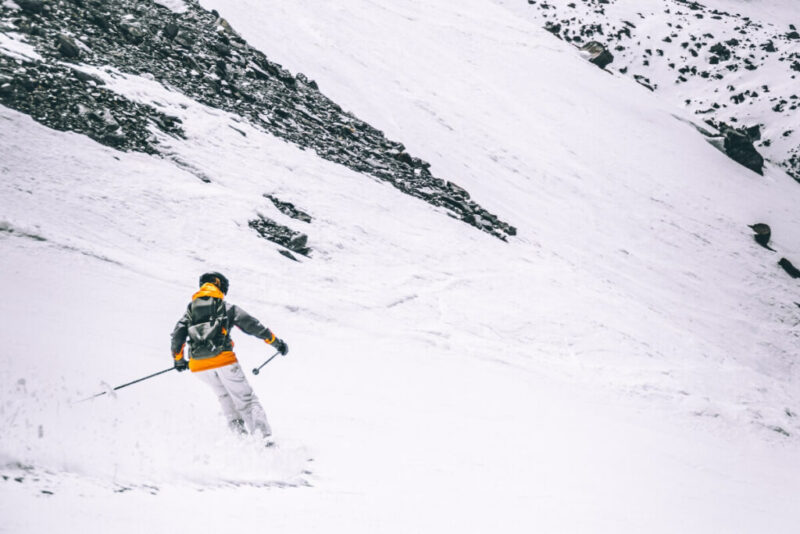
[207,323]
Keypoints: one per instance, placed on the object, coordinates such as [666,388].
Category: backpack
[208,330]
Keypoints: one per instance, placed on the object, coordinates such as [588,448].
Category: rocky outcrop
[762,233]
[67,99]
[199,54]
[289,209]
[597,53]
[736,143]
[272,231]
[739,147]
[790,269]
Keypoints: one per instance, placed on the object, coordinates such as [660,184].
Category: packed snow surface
[626,364]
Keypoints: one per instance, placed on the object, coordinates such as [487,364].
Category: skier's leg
[244,399]
[232,415]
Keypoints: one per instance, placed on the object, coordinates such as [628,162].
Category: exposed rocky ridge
[289,209]
[723,66]
[199,54]
[282,235]
[66,99]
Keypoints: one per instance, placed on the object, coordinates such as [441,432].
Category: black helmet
[215,278]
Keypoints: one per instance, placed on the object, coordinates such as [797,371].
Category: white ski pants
[236,397]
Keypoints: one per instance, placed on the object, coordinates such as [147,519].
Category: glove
[281,346]
[181,365]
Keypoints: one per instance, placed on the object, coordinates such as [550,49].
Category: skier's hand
[281,346]
[181,365]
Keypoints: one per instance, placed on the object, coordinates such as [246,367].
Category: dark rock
[779,430]
[753,133]
[740,148]
[298,243]
[31,6]
[720,52]
[643,81]
[29,84]
[6,88]
[762,235]
[67,47]
[221,49]
[101,21]
[288,255]
[597,53]
[404,157]
[459,192]
[553,28]
[790,269]
[793,35]
[116,139]
[133,32]
[171,30]
[287,208]
[282,235]
[86,77]
[186,38]
[221,69]
[304,79]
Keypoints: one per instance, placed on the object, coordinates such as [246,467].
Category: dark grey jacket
[236,317]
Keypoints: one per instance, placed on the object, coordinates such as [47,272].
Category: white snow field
[626,364]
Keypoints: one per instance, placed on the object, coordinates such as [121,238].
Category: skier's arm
[179,334]
[249,324]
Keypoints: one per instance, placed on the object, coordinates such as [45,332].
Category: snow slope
[627,363]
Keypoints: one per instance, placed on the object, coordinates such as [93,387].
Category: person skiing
[207,323]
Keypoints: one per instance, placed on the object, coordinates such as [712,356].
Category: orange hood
[209,290]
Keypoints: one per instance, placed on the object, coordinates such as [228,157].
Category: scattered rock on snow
[762,235]
[287,208]
[282,235]
[719,53]
[790,269]
[709,53]
[597,53]
[740,148]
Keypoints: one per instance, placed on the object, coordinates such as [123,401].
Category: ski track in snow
[624,365]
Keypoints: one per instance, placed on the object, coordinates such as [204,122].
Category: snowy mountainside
[725,61]
[196,52]
[625,363]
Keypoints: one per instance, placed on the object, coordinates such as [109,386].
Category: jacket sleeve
[249,324]
[180,332]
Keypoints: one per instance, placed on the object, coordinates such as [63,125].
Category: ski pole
[257,369]
[129,384]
